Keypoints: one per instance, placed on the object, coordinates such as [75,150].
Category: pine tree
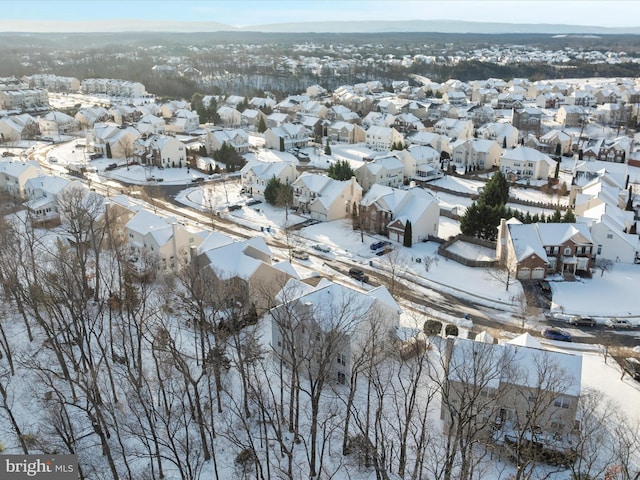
[109,150]
[262,126]
[408,234]
[340,170]
[327,148]
[556,217]
[569,217]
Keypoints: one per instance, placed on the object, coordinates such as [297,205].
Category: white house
[504,133]
[105,138]
[475,153]
[324,198]
[43,192]
[57,123]
[229,116]
[286,137]
[15,174]
[164,239]
[161,151]
[381,139]
[307,315]
[256,175]
[183,121]
[454,129]
[387,170]
[525,162]
[420,162]
[236,138]
[149,124]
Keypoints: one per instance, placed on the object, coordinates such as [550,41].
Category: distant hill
[436,26]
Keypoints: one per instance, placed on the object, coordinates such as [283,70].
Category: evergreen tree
[109,150]
[327,148]
[629,206]
[496,192]
[281,144]
[504,142]
[355,218]
[556,217]
[408,234]
[277,193]
[558,149]
[262,125]
[481,219]
[557,171]
[341,170]
[569,217]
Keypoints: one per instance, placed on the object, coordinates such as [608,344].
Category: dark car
[582,321]
[358,274]
[253,202]
[556,334]
[544,286]
[112,166]
[632,367]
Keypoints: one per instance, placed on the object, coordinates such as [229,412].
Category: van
[632,367]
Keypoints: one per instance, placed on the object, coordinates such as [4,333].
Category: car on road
[358,274]
[321,248]
[53,160]
[580,321]
[253,202]
[556,334]
[632,367]
[300,254]
[619,324]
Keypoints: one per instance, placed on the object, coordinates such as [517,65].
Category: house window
[561,402]
[599,249]
[609,235]
[342,378]
[567,251]
[341,359]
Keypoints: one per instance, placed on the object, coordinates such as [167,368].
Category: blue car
[556,334]
[379,245]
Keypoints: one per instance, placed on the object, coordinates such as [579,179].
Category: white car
[619,324]
[299,254]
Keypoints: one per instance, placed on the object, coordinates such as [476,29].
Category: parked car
[379,245]
[358,274]
[619,324]
[234,207]
[582,321]
[632,367]
[556,334]
[53,160]
[253,202]
[321,248]
[544,286]
[299,254]
[384,250]
[111,166]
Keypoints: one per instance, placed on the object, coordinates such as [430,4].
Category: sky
[615,13]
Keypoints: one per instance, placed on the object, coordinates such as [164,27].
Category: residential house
[246,274]
[475,153]
[57,123]
[229,116]
[382,139]
[183,121]
[236,138]
[526,162]
[43,192]
[234,101]
[430,139]
[505,134]
[387,170]
[571,115]
[309,317]
[556,142]
[527,120]
[610,229]
[520,393]
[286,137]
[533,251]
[251,117]
[420,162]
[168,109]
[120,140]
[386,211]
[456,98]
[168,243]
[256,175]
[87,117]
[481,115]
[160,151]
[550,100]
[24,99]
[606,150]
[150,124]
[581,98]
[407,122]
[18,127]
[324,198]
[344,132]
[340,113]
[454,129]
[14,175]
[277,119]
[124,114]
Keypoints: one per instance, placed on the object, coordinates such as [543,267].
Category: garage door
[524,274]
[538,273]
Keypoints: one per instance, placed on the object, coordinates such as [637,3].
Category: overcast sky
[240,13]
